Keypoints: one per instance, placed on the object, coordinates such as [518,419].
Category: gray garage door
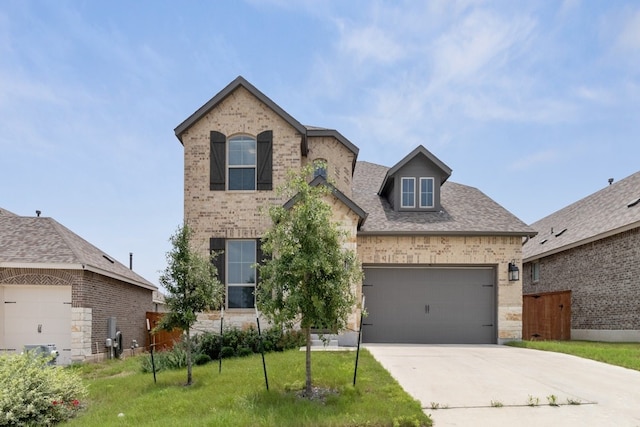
[430,305]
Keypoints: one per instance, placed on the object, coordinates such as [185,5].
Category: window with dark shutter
[217,157]
[265,160]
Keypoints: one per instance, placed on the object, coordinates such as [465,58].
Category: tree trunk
[308,391]
[189,379]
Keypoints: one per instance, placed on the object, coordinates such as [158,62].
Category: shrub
[233,342]
[202,359]
[228,352]
[244,351]
[33,393]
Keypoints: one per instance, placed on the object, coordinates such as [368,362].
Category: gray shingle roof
[465,210]
[43,241]
[6,212]
[601,214]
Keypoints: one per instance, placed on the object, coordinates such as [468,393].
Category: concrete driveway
[471,380]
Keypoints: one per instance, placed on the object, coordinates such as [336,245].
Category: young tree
[192,286]
[309,276]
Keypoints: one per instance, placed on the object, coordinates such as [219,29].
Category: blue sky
[535,103]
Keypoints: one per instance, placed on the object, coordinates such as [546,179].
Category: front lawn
[626,355]
[119,394]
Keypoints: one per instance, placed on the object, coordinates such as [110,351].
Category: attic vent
[543,242]
[633,203]
[108,259]
[561,232]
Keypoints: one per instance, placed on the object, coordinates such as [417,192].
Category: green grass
[237,396]
[626,355]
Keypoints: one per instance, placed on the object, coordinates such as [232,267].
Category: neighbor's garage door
[430,305]
[38,315]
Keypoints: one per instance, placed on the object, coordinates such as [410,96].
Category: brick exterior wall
[243,214]
[604,279]
[107,297]
[457,250]
[339,161]
[232,214]
[94,297]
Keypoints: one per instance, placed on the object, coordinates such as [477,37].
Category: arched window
[320,168]
[242,163]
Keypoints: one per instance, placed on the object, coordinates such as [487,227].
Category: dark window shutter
[217,245]
[217,161]
[265,160]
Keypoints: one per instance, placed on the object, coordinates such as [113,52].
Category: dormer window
[408,193]
[426,192]
[414,184]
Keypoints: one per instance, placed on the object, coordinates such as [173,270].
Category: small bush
[202,359]
[244,351]
[227,352]
[32,393]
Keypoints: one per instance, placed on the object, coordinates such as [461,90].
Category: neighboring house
[435,253]
[581,273]
[56,288]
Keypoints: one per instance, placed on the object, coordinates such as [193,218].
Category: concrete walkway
[470,381]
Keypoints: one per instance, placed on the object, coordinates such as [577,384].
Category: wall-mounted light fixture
[514,272]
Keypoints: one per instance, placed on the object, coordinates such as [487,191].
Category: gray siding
[418,167]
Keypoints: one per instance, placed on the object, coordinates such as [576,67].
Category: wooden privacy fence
[162,339]
[546,316]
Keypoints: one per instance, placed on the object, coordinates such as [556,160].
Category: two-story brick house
[435,254]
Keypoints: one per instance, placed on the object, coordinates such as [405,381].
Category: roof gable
[43,242]
[320,180]
[223,94]
[418,152]
[611,210]
[305,131]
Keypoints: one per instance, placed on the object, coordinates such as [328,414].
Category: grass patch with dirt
[237,396]
[626,355]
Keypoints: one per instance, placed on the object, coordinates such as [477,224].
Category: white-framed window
[408,194]
[535,272]
[241,273]
[242,163]
[426,192]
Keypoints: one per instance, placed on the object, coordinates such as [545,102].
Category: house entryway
[430,305]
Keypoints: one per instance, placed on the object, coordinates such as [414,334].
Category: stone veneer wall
[604,279]
[457,251]
[81,327]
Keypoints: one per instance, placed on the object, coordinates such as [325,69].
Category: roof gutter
[448,233]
